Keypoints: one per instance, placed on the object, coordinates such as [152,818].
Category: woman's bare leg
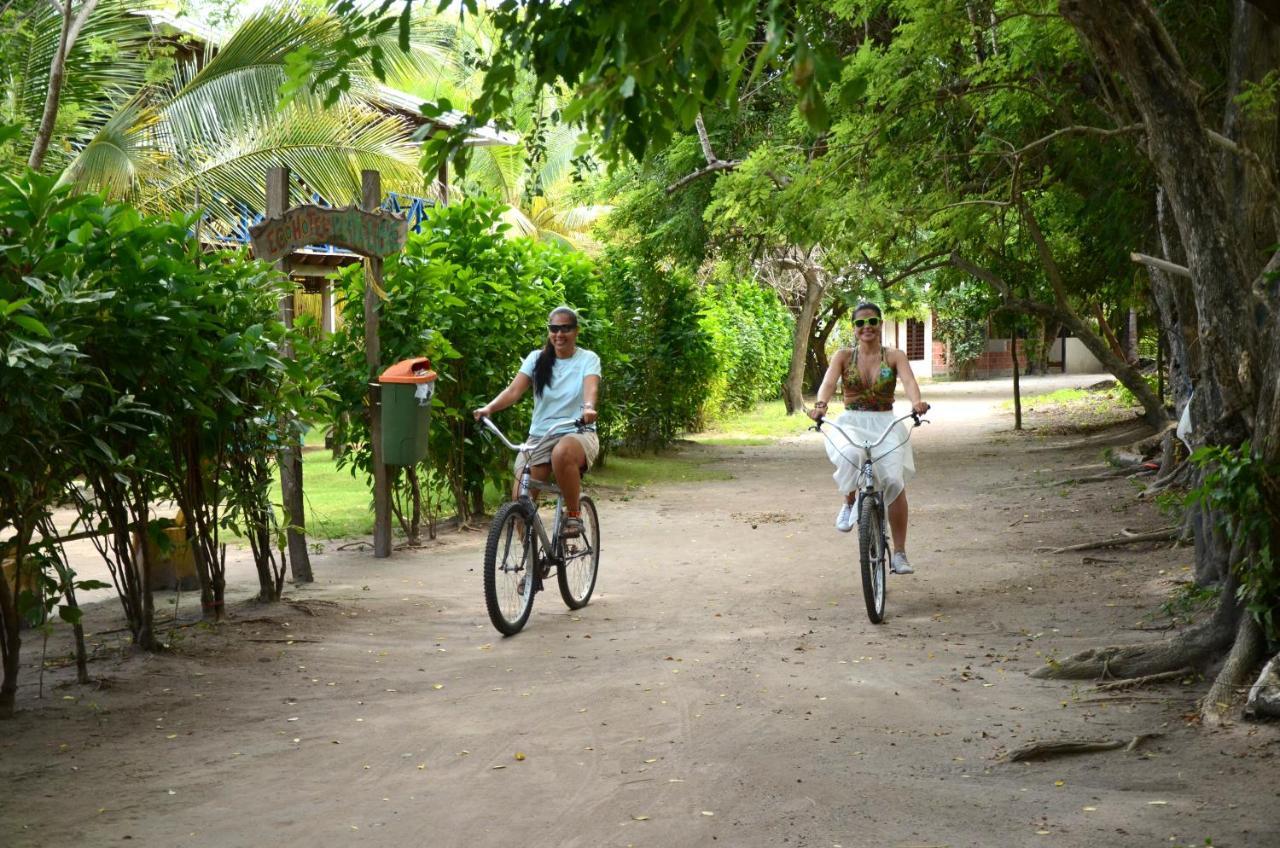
[898,521]
[567,459]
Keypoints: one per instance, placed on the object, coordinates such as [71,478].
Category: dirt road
[724,687]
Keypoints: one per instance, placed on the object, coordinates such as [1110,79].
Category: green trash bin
[406,389]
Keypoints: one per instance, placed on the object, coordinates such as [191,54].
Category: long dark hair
[547,358]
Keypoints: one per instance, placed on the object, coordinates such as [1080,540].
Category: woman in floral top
[868,374]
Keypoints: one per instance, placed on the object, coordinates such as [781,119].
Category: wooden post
[1017,389]
[326,308]
[443,176]
[370,200]
[290,457]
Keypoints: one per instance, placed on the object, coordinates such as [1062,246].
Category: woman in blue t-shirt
[565,380]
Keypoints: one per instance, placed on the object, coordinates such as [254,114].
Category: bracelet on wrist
[588,406]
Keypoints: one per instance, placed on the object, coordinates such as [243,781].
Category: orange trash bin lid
[417,370]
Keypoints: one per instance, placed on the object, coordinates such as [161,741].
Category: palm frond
[121,154]
[324,148]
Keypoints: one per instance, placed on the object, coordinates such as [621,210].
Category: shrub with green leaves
[666,359]
[751,334]
[475,303]
[136,371]
[1243,492]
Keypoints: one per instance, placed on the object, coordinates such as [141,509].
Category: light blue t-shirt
[562,399]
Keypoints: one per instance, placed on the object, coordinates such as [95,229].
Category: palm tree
[206,137]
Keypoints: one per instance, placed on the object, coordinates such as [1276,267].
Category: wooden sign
[379,233]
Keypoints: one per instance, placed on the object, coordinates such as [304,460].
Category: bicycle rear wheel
[510,557]
[873,555]
[577,574]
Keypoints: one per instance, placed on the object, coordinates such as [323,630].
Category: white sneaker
[900,564]
[846,518]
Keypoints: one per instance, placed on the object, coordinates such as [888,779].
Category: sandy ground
[724,686]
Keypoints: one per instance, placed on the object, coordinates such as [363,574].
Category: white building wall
[1077,358]
[895,335]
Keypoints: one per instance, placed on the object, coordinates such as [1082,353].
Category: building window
[915,339]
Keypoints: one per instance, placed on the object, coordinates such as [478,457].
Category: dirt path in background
[724,687]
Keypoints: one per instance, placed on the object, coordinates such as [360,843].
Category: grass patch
[634,472]
[340,506]
[763,425]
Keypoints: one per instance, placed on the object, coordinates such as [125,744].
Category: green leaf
[31,325]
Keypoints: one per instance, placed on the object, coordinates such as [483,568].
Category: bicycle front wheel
[873,555]
[510,558]
[577,574]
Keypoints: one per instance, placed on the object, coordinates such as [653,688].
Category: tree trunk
[1128,375]
[1131,41]
[793,389]
[72,22]
[1237,314]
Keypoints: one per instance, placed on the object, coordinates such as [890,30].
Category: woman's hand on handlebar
[483,412]
[588,415]
[920,407]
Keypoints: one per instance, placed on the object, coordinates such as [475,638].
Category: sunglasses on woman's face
[873,321]
[561,328]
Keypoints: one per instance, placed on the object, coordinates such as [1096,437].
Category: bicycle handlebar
[578,423]
[915,416]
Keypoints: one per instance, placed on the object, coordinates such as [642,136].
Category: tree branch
[1161,264]
[1100,131]
[705,141]
[718,165]
[1020,304]
[714,163]
[921,265]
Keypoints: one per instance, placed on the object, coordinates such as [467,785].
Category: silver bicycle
[874,545]
[520,554]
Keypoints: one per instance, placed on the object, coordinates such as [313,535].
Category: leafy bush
[750,333]
[1243,492]
[475,303]
[133,364]
[665,360]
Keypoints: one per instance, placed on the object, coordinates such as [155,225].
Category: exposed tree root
[1191,648]
[1139,739]
[1093,441]
[1041,750]
[1168,534]
[1113,474]
[1246,653]
[1147,679]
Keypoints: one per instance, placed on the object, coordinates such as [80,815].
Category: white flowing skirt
[894,465]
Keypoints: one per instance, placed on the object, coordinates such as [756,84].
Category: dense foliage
[475,303]
[136,372]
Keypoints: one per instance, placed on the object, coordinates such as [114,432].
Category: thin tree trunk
[793,389]
[1017,388]
[72,22]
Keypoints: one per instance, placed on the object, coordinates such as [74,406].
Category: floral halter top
[877,397]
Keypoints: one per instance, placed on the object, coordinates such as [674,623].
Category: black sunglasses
[873,321]
[561,328]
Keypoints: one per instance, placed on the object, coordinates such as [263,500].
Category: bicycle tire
[872,553]
[508,582]
[581,560]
